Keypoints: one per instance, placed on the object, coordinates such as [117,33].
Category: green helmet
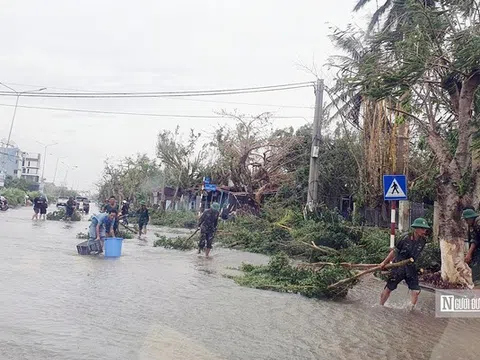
[215,206]
[469,214]
[420,223]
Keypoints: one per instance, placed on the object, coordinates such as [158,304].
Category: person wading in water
[112,226]
[473,255]
[97,228]
[409,245]
[143,219]
[208,226]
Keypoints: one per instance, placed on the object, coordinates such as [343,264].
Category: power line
[136,113]
[158,94]
[181,98]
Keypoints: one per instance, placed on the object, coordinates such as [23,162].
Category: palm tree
[350,103]
[392,12]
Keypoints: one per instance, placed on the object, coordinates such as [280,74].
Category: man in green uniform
[409,245]
[473,255]
[143,219]
[208,226]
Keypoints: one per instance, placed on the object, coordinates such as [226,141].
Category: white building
[31,167]
[11,161]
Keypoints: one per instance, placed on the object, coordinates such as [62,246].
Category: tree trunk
[451,235]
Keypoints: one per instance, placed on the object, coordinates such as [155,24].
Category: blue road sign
[210,187]
[394,187]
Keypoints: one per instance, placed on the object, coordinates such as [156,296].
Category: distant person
[37,204]
[70,208]
[473,255]
[97,229]
[43,207]
[86,206]
[208,223]
[143,219]
[3,203]
[125,210]
[409,246]
[112,226]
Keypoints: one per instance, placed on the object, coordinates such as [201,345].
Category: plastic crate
[85,248]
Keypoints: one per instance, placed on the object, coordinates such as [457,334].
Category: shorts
[409,275]
[36,210]
[141,225]
[43,211]
[206,239]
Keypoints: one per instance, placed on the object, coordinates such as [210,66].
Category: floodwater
[154,303]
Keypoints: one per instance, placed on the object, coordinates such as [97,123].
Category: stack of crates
[89,248]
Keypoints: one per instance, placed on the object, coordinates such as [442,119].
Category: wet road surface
[154,303]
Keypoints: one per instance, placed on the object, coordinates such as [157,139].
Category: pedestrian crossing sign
[394,187]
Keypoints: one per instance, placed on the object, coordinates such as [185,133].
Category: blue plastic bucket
[113,247]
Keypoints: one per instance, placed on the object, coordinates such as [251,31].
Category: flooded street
[154,303]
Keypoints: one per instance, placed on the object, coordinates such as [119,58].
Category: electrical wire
[135,113]
[180,98]
[158,94]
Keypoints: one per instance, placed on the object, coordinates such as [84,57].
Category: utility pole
[312,195]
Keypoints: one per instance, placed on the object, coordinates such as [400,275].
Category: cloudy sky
[153,45]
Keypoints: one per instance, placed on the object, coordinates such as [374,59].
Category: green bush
[334,235]
[254,234]
[174,219]
[14,196]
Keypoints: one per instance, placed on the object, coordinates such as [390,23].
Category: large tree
[434,59]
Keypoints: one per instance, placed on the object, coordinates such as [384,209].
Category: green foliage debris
[178,243]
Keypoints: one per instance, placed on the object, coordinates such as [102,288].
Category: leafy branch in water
[178,243]
[279,275]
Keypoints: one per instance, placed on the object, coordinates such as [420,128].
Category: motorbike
[3,206]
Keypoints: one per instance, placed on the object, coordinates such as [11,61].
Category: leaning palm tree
[350,103]
[390,14]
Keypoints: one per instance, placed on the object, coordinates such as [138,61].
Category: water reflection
[154,303]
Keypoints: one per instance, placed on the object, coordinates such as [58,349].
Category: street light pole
[66,173]
[45,159]
[56,167]
[18,93]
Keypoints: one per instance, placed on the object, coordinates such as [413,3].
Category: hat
[215,206]
[124,201]
[469,214]
[142,202]
[420,223]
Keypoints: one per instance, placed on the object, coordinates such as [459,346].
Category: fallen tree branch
[324,249]
[284,227]
[371,270]
[342,264]
[129,228]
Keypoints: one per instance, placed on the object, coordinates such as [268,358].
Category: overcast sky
[153,45]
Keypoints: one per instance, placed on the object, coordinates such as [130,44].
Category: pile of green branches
[178,243]
[279,275]
[58,215]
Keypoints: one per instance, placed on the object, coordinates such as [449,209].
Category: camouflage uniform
[208,225]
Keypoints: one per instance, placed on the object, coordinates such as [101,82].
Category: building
[11,161]
[31,167]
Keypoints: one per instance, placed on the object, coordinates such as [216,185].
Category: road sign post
[394,189]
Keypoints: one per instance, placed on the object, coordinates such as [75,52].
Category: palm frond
[378,14]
